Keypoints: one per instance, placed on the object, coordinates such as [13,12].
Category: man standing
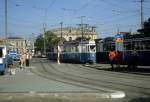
[27,59]
[112,56]
[58,54]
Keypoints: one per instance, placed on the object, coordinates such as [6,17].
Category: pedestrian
[22,60]
[134,59]
[112,58]
[58,54]
[118,58]
[27,59]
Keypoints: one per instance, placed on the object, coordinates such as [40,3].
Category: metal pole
[44,27]
[82,31]
[142,17]
[61,23]
[5,20]
[6,31]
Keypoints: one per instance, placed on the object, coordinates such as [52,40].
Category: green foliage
[39,43]
[50,39]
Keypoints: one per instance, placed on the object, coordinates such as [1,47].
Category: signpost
[119,42]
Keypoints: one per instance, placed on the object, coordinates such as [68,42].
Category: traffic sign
[119,38]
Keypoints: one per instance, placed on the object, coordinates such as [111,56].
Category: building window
[16,43]
[21,43]
[70,30]
[70,38]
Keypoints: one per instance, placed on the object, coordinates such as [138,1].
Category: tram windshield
[1,53]
[92,48]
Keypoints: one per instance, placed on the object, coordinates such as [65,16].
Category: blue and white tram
[5,59]
[2,59]
[76,52]
[141,45]
[79,51]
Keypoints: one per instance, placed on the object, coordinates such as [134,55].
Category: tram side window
[1,53]
[127,46]
[73,49]
[146,45]
[136,45]
[109,46]
[84,48]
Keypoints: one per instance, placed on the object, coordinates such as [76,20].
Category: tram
[141,45]
[5,59]
[76,52]
[2,59]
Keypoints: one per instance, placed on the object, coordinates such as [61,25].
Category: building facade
[19,44]
[72,33]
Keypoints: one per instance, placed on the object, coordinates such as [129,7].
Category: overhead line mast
[142,16]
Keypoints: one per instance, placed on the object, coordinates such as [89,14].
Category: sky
[27,17]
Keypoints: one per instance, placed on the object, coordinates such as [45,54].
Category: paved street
[46,80]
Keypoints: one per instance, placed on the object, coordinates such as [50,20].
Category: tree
[50,37]
[51,40]
[39,43]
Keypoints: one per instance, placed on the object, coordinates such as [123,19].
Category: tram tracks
[118,76]
[107,84]
[43,72]
[50,71]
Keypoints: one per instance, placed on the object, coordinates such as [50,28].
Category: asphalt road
[45,80]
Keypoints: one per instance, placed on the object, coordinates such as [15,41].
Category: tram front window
[1,53]
[92,48]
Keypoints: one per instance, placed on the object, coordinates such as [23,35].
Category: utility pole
[82,31]
[61,24]
[118,31]
[142,17]
[6,29]
[6,22]
[44,31]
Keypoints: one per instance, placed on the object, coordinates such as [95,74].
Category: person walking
[27,59]
[58,54]
[134,59]
[112,58]
[118,58]
[22,60]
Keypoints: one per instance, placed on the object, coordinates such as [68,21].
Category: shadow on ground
[138,71]
[141,99]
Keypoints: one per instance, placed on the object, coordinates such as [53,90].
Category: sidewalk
[108,65]
[140,70]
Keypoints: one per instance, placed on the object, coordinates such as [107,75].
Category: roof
[14,38]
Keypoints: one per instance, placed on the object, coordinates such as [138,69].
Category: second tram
[141,45]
